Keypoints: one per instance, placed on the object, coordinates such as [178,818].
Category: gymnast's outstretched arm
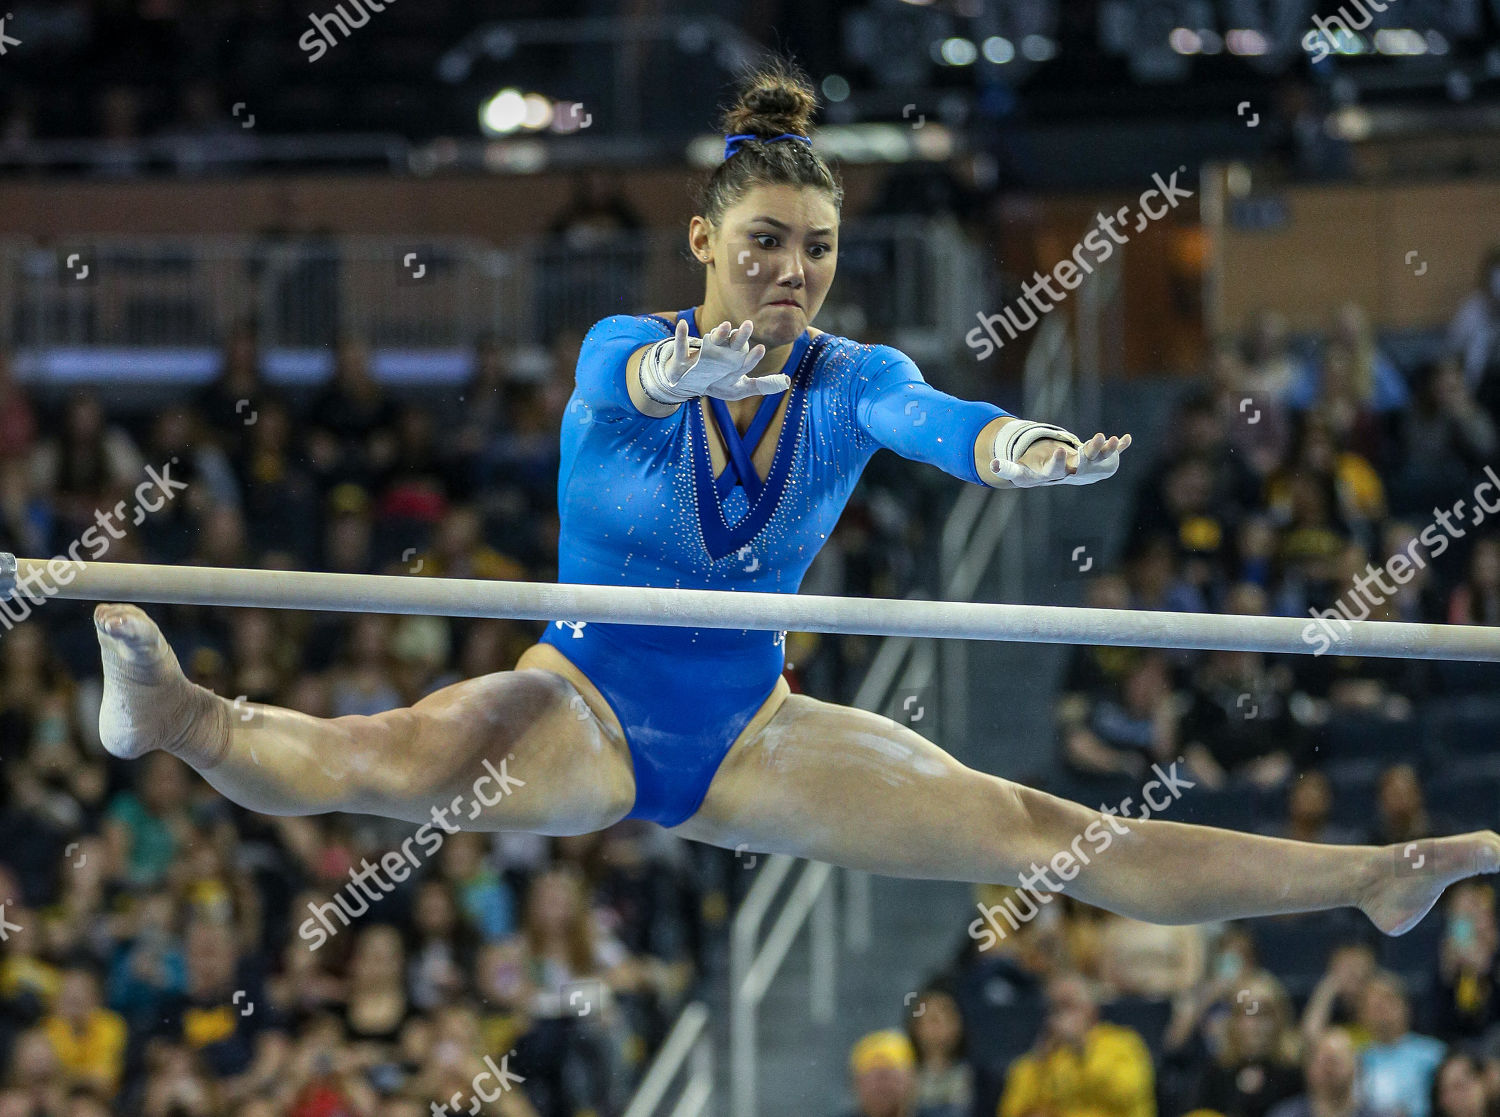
[895,407]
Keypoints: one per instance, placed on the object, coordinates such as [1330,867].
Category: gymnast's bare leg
[856,789]
[570,772]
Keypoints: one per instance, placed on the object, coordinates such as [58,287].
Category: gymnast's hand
[680,368]
[1050,461]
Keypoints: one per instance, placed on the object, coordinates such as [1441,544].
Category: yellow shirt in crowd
[94,1055]
[1111,1078]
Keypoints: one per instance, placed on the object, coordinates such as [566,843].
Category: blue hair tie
[732,143]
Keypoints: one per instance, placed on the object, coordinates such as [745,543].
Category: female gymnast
[700,461]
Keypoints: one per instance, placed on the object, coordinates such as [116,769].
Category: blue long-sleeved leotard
[639,506]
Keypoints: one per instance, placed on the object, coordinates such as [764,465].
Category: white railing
[171,297]
[688,1045]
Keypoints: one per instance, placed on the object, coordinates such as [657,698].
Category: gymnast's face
[770,259]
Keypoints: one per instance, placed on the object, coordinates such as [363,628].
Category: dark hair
[941,985]
[1457,1055]
[774,98]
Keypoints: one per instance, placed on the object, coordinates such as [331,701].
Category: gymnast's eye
[819,250]
[762,238]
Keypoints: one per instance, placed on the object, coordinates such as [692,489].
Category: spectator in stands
[82,921]
[1097,668]
[1380,686]
[17,416]
[1198,521]
[1474,334]
[1477,599]
[280,496]
[945,1080]
[1351,486]
[26,516]
[206,1018]
[460,550]
[147,828]
[1256,1066]
[1330,1070]
[1355,385]
[87,466]
[1309,809]
[351,433]
[442,946]
[641,893]
[882,1067]
[596,256]
[1123,730]
[376,1006]
[364,682]
[1080,1067]
[149,967]
[1253,553]
[1467,994]
[413,489]
[1401,813]
[525,453]
[88,1039]
[1257,427]
[171,532]
[1397,1065]
[1239,723]
[1444,437]
[230,404]
[1156,578]
[1458,1088]
[561,955]
[29,979]
[1339,993]
[1149,960]
[1199,432]
[473,416]
[349,532]
[483,894]
[1421,598]
[36,1074]
[1272,369]
[1200,1014]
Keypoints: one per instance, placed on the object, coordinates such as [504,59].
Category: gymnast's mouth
[787,302]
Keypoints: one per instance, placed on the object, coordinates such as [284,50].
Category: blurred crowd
[1295,466]
[160,952]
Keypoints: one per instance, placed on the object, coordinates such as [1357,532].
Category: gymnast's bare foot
[1415,873]
[148,702]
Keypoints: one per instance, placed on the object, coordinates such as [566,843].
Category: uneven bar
[541,601]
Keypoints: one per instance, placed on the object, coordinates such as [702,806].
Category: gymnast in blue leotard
[700,454]
[641,506]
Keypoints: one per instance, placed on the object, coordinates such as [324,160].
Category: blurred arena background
[333,263]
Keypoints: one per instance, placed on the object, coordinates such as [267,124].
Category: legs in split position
[810,779]
[519,749]
[856,789]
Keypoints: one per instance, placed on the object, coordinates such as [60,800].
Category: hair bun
[776,97]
